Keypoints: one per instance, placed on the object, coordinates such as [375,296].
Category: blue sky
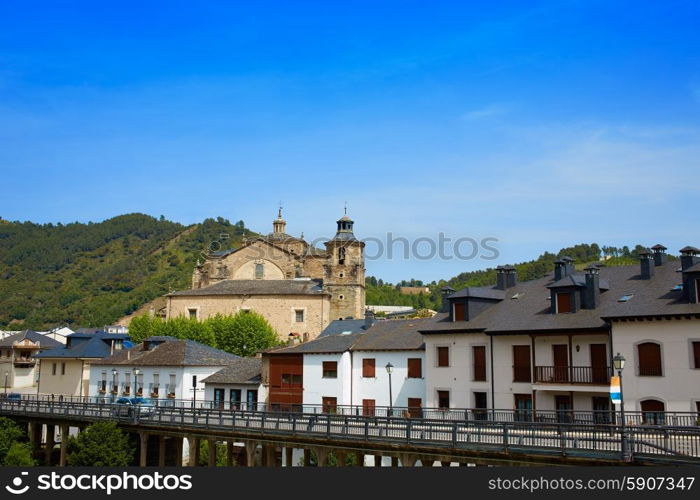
[541,124]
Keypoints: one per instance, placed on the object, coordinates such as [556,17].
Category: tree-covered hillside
[92,274]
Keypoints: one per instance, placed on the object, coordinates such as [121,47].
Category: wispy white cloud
[486,112]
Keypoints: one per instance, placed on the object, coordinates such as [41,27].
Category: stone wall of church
[347,301]
[278,310]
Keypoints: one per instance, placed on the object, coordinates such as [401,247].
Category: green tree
[221,453]
[10,433]
[101,444]
[19,455]
[246,333]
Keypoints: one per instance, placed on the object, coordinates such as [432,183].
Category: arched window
[653,411]
[259,271]
[649,358]
[341,255]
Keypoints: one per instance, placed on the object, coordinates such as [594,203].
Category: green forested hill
[92,274]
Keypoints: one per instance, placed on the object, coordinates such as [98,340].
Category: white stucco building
[546,346]
[237,386]
[347,366]
[161,368]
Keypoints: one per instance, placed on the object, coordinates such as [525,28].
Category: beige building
[297,287]
[18,359]
[65,370]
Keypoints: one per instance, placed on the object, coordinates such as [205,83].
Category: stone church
[297,287]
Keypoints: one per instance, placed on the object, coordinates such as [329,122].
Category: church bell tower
[345,272]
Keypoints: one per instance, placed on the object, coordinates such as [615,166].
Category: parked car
[12,396]
[130,407]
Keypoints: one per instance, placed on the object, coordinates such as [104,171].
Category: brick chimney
[647,264]
[570,268]
[689,257]
[591,294]
[660,257]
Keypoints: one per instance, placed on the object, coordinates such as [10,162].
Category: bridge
[453,437]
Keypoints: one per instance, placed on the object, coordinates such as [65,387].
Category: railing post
[505,437]
[408,430]
[454,434]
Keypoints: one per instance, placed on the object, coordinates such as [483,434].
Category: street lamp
[114,383]
[390,370]
[137,372]
[619,365]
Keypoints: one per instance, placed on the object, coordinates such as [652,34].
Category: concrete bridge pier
[342,456]
[35,432]
[50,443]
[193,455]
[321,456]
[408,460]
[143,449]
[211,462]
[64,444]
[230,450]
[288,456]
[250,448]
[178,451]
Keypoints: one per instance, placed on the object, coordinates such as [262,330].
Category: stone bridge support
[64,444]
[408,460]
[50,443]
[250,448]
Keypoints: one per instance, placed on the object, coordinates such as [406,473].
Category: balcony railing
[598,375]
[24,361]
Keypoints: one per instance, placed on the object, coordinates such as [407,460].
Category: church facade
[297,287]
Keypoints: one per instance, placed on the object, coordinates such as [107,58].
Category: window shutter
[368,367]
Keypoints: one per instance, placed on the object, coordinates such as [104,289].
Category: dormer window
[459,312]
[564,302]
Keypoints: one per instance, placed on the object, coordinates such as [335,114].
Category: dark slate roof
[530,311]
[89,330]
[482,292]
[259,287]
[178,352]
[693,269]
[689,249]
[240,371]
[45,342]
[89,345]
[659,246]
[392,335]
[383,335]
[343,325]
[329,344]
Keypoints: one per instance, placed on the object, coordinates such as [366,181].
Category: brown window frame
[329,367]
[459,311]
[443,362]
[415,367]
[695,346]
[479,369]
[369,368]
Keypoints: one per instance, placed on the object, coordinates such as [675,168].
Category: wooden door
[599,364]
[219,398]
[564,408]
[523,407]
[601,409]
[560,354]
[414,407]
[563,302]
[368,406]
[653,412]
[330,405]
[480,405]
[521,363]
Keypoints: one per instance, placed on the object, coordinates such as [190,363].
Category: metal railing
[573,375]
[586,417]
[669,443]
